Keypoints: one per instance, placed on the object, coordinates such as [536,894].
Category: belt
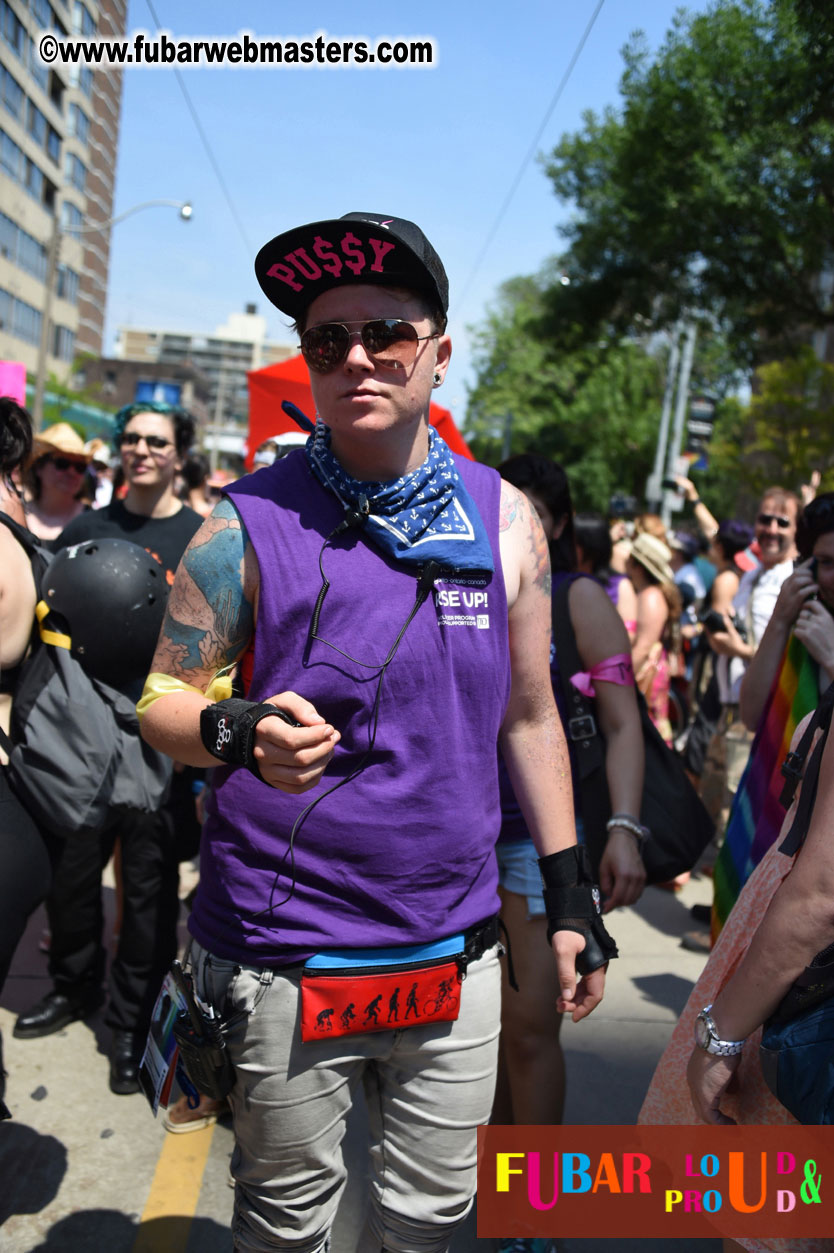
[479,940]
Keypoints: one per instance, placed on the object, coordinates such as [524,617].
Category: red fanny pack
[351,1000]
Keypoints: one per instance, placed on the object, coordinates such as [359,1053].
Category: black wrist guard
[227,729]
[571,899]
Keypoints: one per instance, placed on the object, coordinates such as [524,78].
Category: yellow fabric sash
[158,685]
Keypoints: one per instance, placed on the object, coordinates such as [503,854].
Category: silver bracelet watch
[708,1039]
[631,824]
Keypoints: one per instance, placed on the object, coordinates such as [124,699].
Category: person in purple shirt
[385,608]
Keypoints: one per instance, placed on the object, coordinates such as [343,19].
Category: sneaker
[180,1118]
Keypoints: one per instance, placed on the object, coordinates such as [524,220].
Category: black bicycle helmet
[111,595]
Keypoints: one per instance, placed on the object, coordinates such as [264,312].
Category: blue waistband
[332,958]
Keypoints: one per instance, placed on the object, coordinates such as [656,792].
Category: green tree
[81,407]
[595,410]
[712,187]
[786,430]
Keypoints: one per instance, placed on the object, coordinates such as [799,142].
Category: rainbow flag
[756,815]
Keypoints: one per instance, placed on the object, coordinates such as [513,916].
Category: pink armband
[617,669]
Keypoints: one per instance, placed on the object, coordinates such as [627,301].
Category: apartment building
[224,357]
[59,134]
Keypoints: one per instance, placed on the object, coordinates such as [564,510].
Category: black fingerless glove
[571,899]
[227,730]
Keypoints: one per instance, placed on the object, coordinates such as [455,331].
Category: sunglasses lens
[325,347]
[391,343]
[767,519]
[132,438]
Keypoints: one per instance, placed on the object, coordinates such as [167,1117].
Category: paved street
[84,1171]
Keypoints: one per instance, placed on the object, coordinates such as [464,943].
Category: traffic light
[699,426]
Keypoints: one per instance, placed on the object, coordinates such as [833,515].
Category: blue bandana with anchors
[426,515]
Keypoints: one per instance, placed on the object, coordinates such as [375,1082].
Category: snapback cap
[300,264]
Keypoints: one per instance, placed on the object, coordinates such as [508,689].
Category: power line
[209,151]
[531,152]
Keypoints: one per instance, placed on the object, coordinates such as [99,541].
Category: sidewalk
[84,1171]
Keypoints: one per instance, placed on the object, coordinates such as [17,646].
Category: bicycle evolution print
[354,1000]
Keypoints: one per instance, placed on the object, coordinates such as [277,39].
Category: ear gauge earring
[438,378]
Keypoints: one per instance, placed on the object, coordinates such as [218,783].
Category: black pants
[148,939]
[24,873]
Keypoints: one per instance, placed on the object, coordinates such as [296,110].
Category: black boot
[55,1011]
[4,1109]
[125,1055]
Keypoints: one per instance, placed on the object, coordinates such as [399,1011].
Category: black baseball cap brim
[300,264]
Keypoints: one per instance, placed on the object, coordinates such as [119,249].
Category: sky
[441,146]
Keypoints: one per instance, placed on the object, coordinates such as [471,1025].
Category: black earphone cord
[425,582]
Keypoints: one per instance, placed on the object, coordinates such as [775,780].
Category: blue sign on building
[159,393]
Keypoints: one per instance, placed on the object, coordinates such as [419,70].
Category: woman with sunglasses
[153,439]
[388,607]
[54,480]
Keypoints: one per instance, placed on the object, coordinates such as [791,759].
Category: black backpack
[75,750]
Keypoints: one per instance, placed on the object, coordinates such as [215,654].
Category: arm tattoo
[511,501]
[540,554]
[517,509]
[209,619]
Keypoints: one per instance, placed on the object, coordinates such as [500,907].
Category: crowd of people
[321,611]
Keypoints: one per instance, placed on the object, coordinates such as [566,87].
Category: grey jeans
[427,1090]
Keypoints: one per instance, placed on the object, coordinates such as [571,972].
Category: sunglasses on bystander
[156,443]
[68,463]
[767,519]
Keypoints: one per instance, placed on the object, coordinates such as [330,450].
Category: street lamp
[53,253]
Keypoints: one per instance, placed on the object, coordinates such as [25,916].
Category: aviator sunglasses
[66,463]
[767,519]
[389,343]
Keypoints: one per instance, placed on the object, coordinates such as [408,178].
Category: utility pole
[654,487]
[671,499]
[217,420]
[53,253]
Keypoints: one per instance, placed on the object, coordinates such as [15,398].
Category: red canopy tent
[289,380]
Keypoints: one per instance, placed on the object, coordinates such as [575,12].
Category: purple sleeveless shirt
[404,853]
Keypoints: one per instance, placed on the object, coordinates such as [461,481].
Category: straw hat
[60,438]
[653,556]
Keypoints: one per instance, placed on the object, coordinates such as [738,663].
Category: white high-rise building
[59,135]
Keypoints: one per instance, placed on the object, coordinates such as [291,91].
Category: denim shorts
[518,870]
